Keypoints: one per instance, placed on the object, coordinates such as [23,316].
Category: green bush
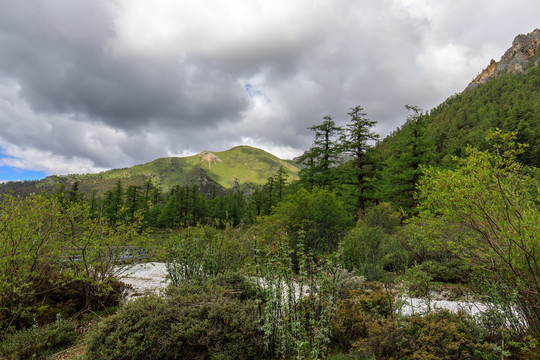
[201,252]
[383,217]
[319,215]
[445,335]
[447,270]
[370,251]
[365,324]
[39,342]
[371,302]
[193,321]
[437,335]
[55,257]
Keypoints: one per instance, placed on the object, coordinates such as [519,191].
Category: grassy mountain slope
[225,169]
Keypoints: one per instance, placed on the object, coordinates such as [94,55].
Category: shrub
[193,321]
[31,230]
[365,324]
[447,270]
[369,250]
[62,295]
[298,298]
[347,281]
[38,342]
[444,335]
[203,251]
[383,217]
[354,313]
[49,247]
[319,215]
[437,335]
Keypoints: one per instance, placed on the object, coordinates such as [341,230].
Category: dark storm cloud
[87,85]
[68,67]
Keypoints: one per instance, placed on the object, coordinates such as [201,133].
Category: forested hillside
[510,102]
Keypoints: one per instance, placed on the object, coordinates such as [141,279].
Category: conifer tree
[355,143]
[321,158]
[134,201]
[402,168]
[114,202]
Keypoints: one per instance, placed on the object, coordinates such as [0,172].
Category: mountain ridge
[210,171]
[522,55]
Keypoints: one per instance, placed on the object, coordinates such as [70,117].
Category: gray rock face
[515,59]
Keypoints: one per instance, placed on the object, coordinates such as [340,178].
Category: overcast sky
[89,85]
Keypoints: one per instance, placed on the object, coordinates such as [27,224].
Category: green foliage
[447,270]
[369,249]
[38,342]
[49,248]
[265,198]
[366,325]
[354,142]
[193,321]
[185,205]
[489,194]
[321,159]
[96,251]
[32,232]
[383,217]
[401,171]
[202,252]
[362,251]
[415,283]
[444,335]
[298,305]
[369,303]
[319,215]
[230,208]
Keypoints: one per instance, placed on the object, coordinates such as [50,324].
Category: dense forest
[314,267]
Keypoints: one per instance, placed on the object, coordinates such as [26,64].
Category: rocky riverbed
[151,277]
[145,278]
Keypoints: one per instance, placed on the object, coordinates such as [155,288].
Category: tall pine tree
[355,143]
[320,160]
[402,169]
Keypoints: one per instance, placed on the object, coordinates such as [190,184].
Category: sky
[90,85]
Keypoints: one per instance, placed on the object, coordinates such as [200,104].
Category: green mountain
[211,171]
[506,95]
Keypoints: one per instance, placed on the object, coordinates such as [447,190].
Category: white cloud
[98,84]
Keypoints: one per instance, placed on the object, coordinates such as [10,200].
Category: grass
[243,163]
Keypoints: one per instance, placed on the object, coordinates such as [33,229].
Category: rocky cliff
[517,59]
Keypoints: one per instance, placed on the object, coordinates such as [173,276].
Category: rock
[514,61]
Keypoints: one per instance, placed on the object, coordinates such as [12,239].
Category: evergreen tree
[280,181]
[134,202]
[322,157]
[402,169]
[113,203]
[355,143]
[74,195]
[94,206]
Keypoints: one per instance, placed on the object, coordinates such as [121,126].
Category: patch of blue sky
[254,93]
[10,173]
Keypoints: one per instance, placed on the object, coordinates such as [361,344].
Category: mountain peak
[209,157]
[516,60]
